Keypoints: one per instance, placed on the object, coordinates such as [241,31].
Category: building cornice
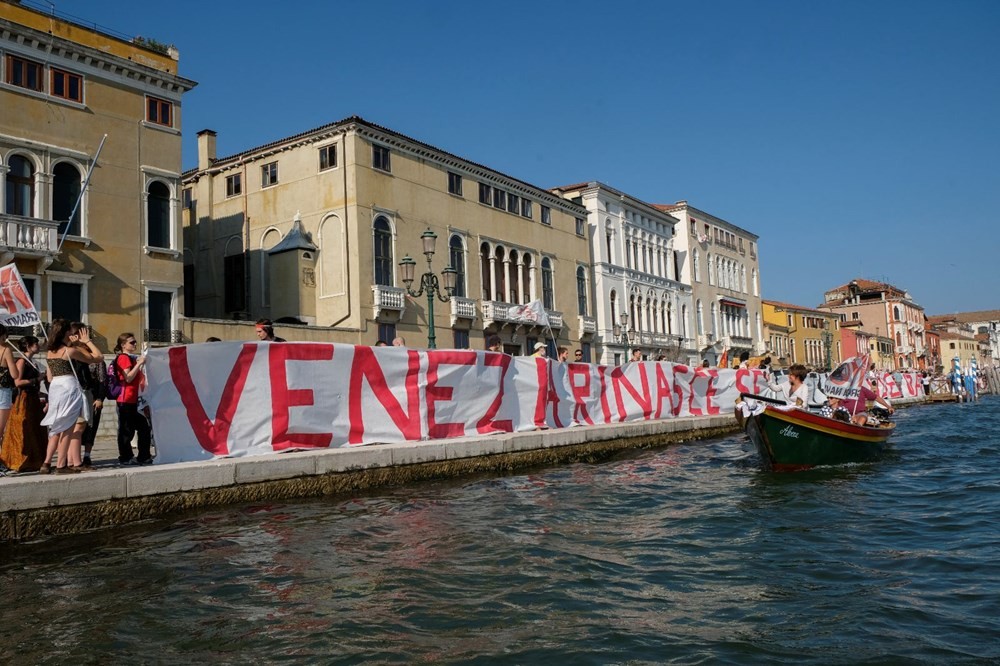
[42,46]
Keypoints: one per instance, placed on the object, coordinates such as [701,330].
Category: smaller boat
[792,439]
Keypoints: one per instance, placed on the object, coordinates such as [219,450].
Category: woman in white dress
[65,393]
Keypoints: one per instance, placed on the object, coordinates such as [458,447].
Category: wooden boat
[796,439]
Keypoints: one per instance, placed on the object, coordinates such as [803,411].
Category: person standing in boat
[795,392]
[857,406]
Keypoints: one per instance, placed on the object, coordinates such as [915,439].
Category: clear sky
[857,138]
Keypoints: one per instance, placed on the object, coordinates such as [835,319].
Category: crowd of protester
[50,414]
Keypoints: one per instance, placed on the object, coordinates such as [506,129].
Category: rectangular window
[67,300]
[159,111]
[234,185]
[160,308]
[499,199]
[579,226]
[526,208]
[512,203]
[269,174]
[24,73]
[328,157]
[455,184]
[386,333]
[485,194]
[187,197]
[461,339]
[234,278]
[546,215]
[585,348]
[380,158]
[66,85]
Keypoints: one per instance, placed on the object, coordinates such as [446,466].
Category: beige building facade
[348,202]
[797,334]
[63,87]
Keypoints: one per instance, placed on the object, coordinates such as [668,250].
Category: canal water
[688,554]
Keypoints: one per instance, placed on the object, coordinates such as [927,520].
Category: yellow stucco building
[63,87]
[310,231]
[797,334]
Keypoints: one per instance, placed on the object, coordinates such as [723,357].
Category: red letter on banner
[486,424]
[284,398]
[580,392]
[663,390]
[435,393]
[710,392]
[618,381]
[605,404]
[213,436]
[546,395]
[366,366]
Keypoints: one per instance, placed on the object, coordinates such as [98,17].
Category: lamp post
[620,331]
[429,282]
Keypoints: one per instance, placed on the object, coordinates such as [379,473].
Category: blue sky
[853,137]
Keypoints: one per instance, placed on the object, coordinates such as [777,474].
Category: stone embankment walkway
[33,505]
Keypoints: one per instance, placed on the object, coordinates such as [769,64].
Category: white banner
[529,313]
[237,399]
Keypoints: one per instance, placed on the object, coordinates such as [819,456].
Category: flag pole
[79,198]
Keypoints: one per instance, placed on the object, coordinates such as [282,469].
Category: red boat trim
[830,426]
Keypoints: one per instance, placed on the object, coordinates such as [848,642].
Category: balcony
[496,312]
[389,303]
[555,319]
[163,337]
[706,339]
[462,310]
[27,237]
[588,326]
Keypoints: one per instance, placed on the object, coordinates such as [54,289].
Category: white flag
[529,313]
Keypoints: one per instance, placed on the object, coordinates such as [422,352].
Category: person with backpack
[127,368]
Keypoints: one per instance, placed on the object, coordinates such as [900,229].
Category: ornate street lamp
[429,282]
[620,331]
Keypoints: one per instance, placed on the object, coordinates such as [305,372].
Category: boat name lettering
[788,431]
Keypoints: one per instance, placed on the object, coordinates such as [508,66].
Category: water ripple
[687,555]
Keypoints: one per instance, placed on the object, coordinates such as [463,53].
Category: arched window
[383,251]
[614,307]
[158,215]
[515,267]
[700,323]
[895,313]
[753,280]
[581,290]
[899,339]
[526,285]
[484,271]
[499,279]
[696,264]
[607,238]
[715,321]
[710,268]
[683,328]
[65,192]
[628,253]
[456,255]
[548,296]
[20,194]
[270,238]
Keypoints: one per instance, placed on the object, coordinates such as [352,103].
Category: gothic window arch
[269,239]
[581,290]
[548,293]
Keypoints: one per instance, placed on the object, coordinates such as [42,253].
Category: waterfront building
[639,299]
[933,342]
[797,334]
[884,309]
[63,86]
[966,335]
[854,340]
[986,326]
[720,262]
[310,231]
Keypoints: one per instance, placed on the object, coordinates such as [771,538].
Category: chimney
[206,148]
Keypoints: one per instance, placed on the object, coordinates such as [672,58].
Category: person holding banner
[65,394]
[24,438]
[130,420]
[8,378]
